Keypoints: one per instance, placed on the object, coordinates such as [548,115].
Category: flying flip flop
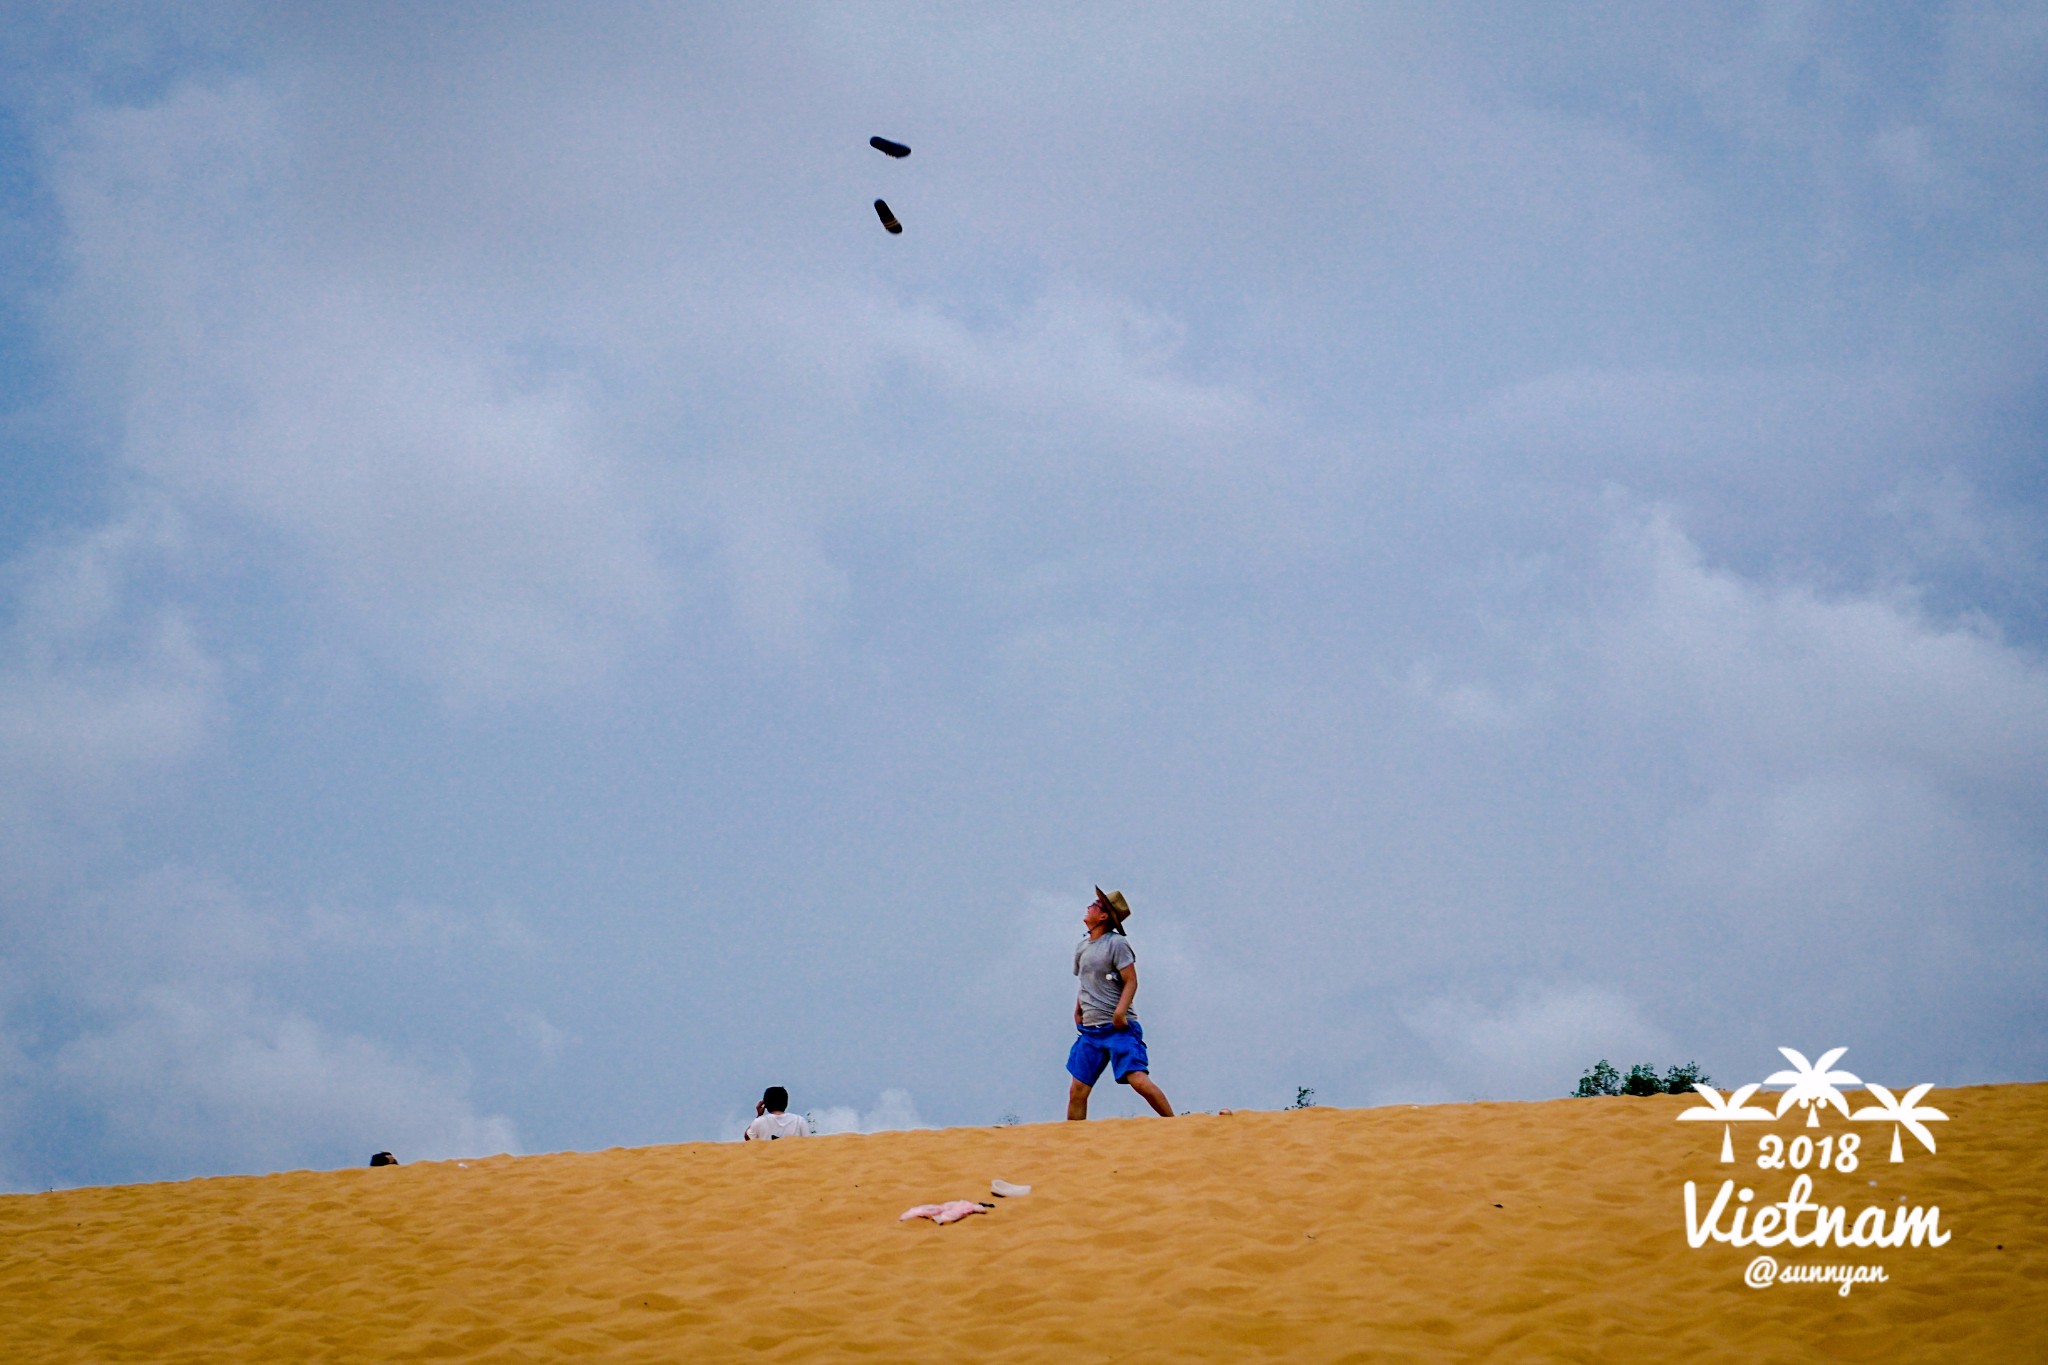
[898,151]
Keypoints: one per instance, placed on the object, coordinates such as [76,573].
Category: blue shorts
[1122,1049]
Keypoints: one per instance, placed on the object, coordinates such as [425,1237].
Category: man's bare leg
[1142,1083]
[1077,1099]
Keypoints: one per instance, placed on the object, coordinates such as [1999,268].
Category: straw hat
[1119,908]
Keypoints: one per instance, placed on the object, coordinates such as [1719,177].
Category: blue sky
[526,617]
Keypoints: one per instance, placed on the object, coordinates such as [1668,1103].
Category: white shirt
[772,1126]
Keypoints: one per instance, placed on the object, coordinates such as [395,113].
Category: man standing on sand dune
[1110,1034]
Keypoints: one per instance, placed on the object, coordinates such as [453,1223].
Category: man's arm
[1123,1002]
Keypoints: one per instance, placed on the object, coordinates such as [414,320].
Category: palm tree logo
[1901,1112]
[1736,1108]
[1812,1084]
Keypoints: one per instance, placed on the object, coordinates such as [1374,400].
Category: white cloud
[71,729]
[179,1059]
[1785,804]
[892,1111]
[1099,363]
[546,1040]
[102,688]
[102,946]
[224,1082]
[1849,796]
[17,1099]
[1791,681]
[1535,1044]
[465,513]
[528,358]
[1949,524]
[1464,705]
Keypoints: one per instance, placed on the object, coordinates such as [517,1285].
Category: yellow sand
[1323,1235]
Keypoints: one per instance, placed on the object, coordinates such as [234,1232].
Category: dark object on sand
[895,149]
[888,218]
[383,1159]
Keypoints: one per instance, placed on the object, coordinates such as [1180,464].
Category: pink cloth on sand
[951,1212]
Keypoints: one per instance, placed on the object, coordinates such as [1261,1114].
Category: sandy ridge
[1549,1231]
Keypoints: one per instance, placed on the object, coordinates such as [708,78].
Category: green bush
[1679,1080]
[1603,1079]
[1642,1079]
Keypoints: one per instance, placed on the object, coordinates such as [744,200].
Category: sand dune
[1548,1231]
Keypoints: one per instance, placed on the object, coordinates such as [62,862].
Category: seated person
[769,1120]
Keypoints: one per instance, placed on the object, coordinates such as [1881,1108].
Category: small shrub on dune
[1680,1080]
[1600,1079]
[1642,1080]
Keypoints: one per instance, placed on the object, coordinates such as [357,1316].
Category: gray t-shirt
[1099,962]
